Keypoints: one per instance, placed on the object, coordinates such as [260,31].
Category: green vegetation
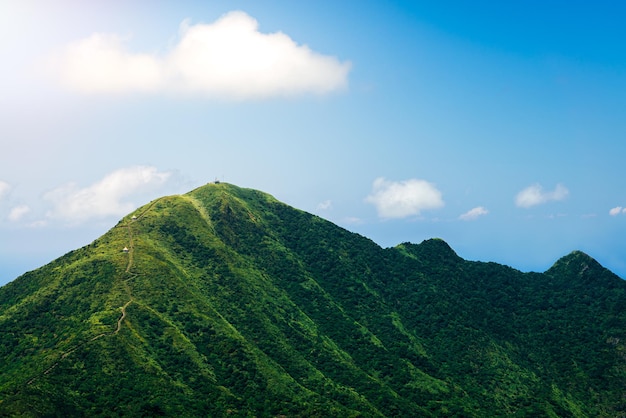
[230,303]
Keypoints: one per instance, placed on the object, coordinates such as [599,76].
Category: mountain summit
[227,302]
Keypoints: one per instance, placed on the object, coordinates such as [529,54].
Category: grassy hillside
[230,303]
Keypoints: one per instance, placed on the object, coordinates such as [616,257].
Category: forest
[231,303]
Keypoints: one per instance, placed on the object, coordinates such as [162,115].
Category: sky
[497,126]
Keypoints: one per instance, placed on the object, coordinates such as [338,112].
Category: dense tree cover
[230,303]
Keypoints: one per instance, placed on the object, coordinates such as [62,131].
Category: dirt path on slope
[119,321]
[129,266]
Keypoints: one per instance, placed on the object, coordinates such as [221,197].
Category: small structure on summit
[125,249]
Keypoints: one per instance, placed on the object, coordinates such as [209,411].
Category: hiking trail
[131,275]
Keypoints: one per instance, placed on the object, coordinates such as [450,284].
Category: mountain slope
[229,302]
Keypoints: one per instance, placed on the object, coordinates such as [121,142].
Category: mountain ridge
[229,300]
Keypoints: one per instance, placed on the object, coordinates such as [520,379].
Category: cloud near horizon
[535,195]
[403,198]
[228,59]
[18,212]
[325,205]
[617,210]
[4,188]
[474,214]
[105,197]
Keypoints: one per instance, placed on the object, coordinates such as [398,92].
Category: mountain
[227,302]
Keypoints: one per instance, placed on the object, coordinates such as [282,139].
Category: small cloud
[4,188]
[474,214]
[18,212]
[556,215]
[535,195]
[38,224]
[403,198]
[229,58]
[104,198]
[325,205]
[352,220]
[617,210]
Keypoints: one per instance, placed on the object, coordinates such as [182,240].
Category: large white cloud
[105,197]
[535,195]
[229,58]
[617,210]
[404,198]
[474,214]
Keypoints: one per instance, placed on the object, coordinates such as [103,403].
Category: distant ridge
[226,302]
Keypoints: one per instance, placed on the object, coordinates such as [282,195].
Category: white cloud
[18,212]
[352,220]
[617,210]
[474,213]
[325,205]
[535,195]
[104,198]
[228,58]
[404,198]
[4,188]
[38,224]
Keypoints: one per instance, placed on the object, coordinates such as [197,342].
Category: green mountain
[228,302]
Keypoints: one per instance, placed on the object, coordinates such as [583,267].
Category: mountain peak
[432,249]
[212,190]
[579,264]
[574,259]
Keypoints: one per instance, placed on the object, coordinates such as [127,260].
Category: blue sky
[497,126]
